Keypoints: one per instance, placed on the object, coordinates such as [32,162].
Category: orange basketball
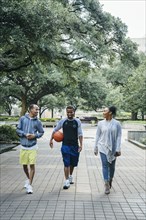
[58,136]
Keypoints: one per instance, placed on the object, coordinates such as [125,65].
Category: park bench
[49,124]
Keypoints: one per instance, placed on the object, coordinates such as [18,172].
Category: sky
[131,12]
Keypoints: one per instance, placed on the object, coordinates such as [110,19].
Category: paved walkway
[84,200]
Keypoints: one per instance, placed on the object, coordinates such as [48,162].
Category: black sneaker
[110,183]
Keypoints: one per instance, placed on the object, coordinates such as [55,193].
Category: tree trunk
[24,106]
[42,111]
[52,113]
[142,115]
[134,115]
[9,112]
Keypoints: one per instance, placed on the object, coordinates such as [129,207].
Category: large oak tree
[40,38]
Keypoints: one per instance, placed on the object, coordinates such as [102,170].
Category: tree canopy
[49,31]
[135,90]
[45,44]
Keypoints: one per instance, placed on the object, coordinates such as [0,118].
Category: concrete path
[84,200]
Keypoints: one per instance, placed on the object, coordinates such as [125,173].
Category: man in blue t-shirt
[71,144]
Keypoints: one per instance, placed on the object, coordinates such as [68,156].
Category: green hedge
[48,119]
[9,118]
[8,133]
[12,118]
[143,141]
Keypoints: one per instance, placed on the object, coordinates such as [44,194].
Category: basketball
[58,136]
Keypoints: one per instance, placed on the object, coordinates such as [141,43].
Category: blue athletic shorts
[70,155]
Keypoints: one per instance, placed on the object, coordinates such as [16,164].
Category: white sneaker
[71,179]
[29,189]
[66,184]
[26,183]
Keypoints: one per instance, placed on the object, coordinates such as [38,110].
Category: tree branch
[4,68]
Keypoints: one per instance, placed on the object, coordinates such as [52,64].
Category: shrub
[8,133]
[48,119]
[9,118]
[143,141]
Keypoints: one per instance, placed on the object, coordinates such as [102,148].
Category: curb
[138,144]
[6,148]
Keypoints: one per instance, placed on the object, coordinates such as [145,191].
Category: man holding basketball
[71,144]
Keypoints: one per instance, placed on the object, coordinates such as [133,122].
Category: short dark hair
[70,107]
[31,107]
[113,110]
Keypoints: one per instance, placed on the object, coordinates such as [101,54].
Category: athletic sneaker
[66,184]
[29,189]
[26,183]
[107,188]
[71,179]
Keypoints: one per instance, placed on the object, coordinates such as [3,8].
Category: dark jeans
[108,169]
